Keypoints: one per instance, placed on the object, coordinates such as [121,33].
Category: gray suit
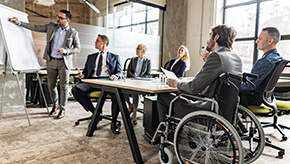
[217,62]
[145,69]
[145,73]
[57,68]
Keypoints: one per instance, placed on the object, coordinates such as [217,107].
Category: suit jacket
[179,68]
[145,69]
[71,41]
[216,63]
[113,64]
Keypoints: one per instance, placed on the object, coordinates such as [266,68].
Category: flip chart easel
[18,52]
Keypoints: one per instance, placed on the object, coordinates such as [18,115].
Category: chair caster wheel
[281,153]
[77,123]
[284,138]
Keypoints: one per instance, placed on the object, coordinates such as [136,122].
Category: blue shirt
[57,42]
[219,49]
[263,68]
[138,67]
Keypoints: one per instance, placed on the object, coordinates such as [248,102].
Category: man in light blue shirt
[62,42]
[267,41]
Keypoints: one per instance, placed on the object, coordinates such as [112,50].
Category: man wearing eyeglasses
[62,42]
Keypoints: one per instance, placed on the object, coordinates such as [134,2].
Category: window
[249,17]
[136,18]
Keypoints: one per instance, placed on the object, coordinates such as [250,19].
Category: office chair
[127,61]
[266,96]
[96,94]
[166,65]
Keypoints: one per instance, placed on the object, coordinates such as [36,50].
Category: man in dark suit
[102,64]
[62,42]
[139,67]
[221,60]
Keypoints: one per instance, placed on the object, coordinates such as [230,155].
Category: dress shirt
[263,68]
[57,42]
[217,50]
[176,60]
[138,67]
[104,72]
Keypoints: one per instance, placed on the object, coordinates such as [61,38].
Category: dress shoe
[134,122]
[54,110]
[115,129]
[61,114]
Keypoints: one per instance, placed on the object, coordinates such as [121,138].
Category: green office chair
[96,94]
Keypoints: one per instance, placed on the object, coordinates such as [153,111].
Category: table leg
[95,119]
[128,126]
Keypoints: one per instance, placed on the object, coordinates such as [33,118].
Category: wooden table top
[137,85]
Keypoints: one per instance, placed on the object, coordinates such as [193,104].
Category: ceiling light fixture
[44,2]
[92,6]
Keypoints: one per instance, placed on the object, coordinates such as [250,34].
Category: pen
[12,19]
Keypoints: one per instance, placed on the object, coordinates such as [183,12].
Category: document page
[169,74]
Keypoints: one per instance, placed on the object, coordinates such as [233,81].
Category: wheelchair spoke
[205,140]
[253,139]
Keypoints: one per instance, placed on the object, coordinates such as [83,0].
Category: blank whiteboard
[18,42]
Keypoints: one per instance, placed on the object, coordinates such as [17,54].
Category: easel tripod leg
[24,102]
[3,91]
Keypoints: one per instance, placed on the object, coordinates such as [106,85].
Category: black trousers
[163,101]
[181,107]
[80,93]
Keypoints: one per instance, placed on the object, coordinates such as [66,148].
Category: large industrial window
[136,18]
[249,17]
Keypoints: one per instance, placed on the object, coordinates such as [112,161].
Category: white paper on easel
[169,74]
[18,42]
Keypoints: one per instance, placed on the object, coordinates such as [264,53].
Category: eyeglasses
[61,18]
[138,48]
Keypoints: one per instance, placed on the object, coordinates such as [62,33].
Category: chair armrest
[197,97]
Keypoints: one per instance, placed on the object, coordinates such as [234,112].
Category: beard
[208,48]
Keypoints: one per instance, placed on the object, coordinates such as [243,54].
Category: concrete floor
[50,140]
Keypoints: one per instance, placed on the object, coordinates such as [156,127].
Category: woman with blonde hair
[181,63]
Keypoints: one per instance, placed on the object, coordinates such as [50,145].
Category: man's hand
[81,76]
[172,83]
[205,55]
[61,51]
[14,20]
[113,77]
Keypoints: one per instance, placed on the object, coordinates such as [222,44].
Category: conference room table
[130,86]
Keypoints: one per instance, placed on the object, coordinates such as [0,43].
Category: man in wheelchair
[220,60]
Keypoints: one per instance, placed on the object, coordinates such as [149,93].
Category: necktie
[99,69]
[138,68]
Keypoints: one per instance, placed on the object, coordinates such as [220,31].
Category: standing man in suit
[221,60]
[62,42]
[139,67]
[103,64]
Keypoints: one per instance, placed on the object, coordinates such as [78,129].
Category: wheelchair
[211,132]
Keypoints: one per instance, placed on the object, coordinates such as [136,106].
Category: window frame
[146,22]
[256,34]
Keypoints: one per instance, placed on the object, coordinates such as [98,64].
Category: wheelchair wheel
[167,158]
[206,137]
[253,137]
